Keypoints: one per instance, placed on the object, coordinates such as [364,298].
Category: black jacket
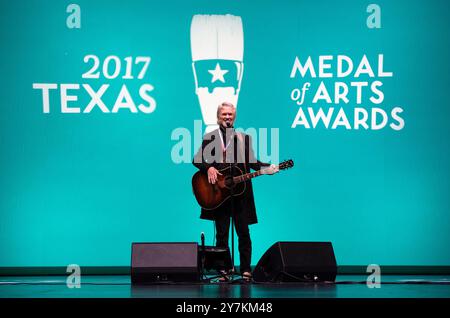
[203,160]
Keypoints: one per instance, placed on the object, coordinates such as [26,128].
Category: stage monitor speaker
[164,262]
[297,262]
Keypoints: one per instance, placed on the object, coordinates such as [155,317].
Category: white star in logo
[218,74]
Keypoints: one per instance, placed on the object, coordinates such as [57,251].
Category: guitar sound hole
[229,182]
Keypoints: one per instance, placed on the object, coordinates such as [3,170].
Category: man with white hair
[220,149]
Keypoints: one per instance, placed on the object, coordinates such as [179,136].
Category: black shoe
[247,277]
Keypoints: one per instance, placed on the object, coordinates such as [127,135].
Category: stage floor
[346,286]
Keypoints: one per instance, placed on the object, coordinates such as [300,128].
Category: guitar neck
[247,176]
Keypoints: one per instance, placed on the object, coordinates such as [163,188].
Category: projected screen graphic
[105,104]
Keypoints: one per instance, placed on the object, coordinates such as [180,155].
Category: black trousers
[222,220]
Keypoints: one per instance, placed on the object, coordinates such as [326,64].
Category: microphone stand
[202,255]
[232,165]
[232,221]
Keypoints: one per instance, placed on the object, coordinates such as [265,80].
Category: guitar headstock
[286,164]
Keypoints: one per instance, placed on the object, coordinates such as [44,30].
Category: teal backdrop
[79,188]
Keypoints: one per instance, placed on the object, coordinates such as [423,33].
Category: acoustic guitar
[211,196]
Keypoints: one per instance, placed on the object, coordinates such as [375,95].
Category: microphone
[203,240]
[233,134]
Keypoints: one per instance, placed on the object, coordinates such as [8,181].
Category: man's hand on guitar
[272,169]
[212,175]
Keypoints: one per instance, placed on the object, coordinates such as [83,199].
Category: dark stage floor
[346,286]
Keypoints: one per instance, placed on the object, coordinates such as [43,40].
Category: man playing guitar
[222,151]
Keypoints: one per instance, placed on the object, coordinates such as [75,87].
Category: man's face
[226,116]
